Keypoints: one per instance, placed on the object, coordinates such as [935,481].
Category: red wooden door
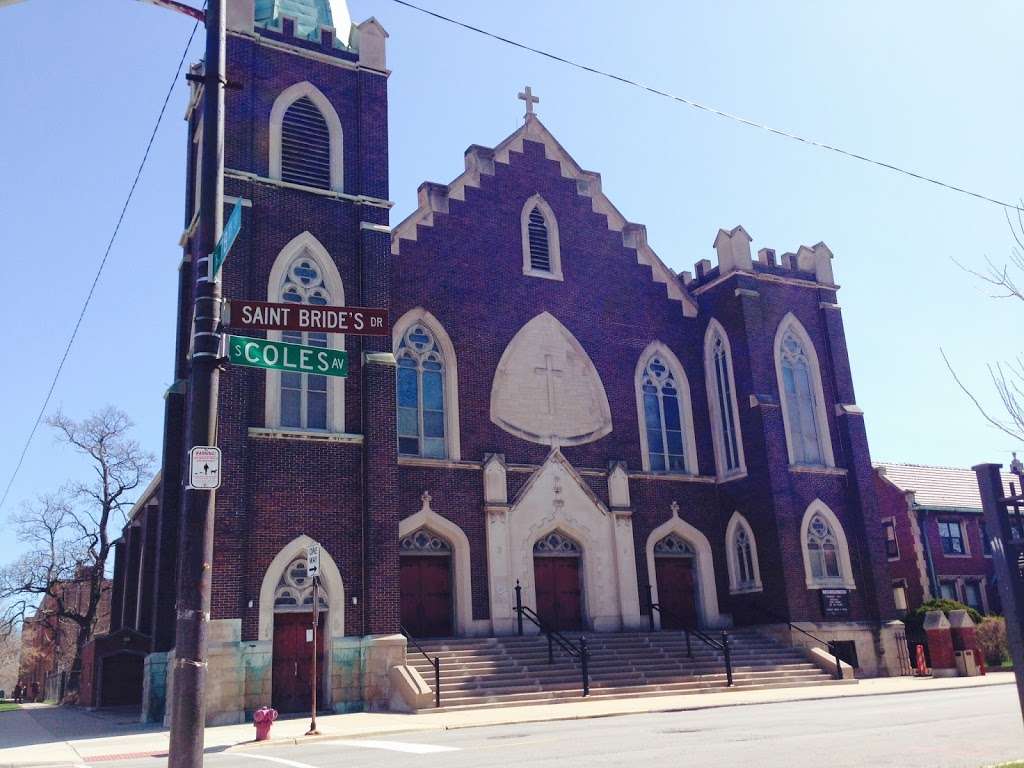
[676,592]
[426,595]
[559,599]
[293,662]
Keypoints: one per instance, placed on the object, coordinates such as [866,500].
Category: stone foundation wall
[877,653]
[240,674]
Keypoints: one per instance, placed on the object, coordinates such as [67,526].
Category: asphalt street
[968,728]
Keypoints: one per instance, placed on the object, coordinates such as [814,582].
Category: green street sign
[279,356]
[227,239]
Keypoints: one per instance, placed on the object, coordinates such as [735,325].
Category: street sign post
[280,356]
[270,316]
[204,467]
[227,239]
[313,560]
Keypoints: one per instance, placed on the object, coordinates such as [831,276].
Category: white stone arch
[737,523]
[554,243]
[707,592]
[285,99]
[689,440]
[332,281]
[451,372]
[330,579]
[456,537]
[715,330]
[845,580]
[790,323]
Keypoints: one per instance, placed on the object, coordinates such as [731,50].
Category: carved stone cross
[527,96]
[550,373]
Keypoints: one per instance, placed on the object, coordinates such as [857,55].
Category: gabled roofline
[555,456]
[433,198]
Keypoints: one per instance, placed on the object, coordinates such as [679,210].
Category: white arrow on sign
[313,560]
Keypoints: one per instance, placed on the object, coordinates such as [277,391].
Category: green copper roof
[309,16]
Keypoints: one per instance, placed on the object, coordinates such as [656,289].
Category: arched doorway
[426,584]
[293,643]
[676,575]
[556,571]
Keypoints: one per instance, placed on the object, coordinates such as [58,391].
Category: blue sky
[931,86]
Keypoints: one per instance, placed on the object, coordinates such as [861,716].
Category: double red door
[293,662]
[426,594]
[559,598]
[676,592]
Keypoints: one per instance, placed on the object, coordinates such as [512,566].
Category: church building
[554,407]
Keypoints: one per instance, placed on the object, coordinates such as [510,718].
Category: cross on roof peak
[527,95]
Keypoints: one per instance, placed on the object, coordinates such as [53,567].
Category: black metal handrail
[830,645]
[579,653]
[724,645]
[435,663]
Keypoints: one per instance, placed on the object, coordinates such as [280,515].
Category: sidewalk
[38,734]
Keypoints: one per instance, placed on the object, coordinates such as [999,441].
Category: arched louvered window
[305,145]
[541,255]
[420,395]
[304,395]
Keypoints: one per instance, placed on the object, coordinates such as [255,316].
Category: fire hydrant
[263,718]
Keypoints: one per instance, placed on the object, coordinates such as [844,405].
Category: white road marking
[394,746]
[269,759]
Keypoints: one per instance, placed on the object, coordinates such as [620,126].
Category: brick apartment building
[936,542]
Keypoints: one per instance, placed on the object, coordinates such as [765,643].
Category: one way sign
[204,467]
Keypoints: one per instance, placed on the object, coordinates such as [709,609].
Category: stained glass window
[663,417]
[420,394]
[799,387]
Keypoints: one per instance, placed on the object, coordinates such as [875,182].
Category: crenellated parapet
[809,263]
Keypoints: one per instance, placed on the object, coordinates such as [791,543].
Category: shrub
[992,640]
[915,619]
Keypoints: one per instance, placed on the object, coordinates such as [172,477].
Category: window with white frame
[972,595]
[899,594]
[541,247]
[803,409]
[951,537]
[420,394]
[722,400]
[305,138]
[744,574]
[305,145]
[892,545]
[304,395]
[822,550]
[948,590]
[663,417]
[305,274]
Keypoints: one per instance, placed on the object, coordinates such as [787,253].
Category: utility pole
[188,717]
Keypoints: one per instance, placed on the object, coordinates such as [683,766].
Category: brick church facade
[554,406]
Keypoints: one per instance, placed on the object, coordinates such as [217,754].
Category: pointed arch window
[541,252]
[420,394]
[802,399]
[663,417]
[306,142]
[304,395]
[826,552]
[722,398]
[744,571]
[295,589]
[821,550]
[305,274]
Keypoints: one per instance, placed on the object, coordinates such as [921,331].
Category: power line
[707,108]
[102,264]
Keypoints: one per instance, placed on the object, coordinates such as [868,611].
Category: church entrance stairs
[510,671]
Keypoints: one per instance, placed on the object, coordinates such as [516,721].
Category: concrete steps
[514,671]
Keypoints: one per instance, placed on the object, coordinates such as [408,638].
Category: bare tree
[1007,377]
[61,575]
